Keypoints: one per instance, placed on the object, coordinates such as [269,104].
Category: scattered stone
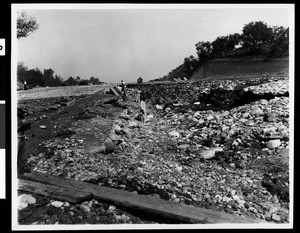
[158,107]
[257,112]
[273,209]
[174,134]
[183,146]
[57,204]
[27,199]
[132,124]
[150,116]
[24,200]
[270,117]
[22,205]
[273,143]
[43,127]
[109,146]
[85,208]
[179,169]
[276,217]
[210,153]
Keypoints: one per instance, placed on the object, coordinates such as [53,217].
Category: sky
[124,44]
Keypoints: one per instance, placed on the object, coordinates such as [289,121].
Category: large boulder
[109,146]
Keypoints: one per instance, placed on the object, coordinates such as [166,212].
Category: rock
[197,103]
[125,116]
[22,205]
[276,217]
[85,208]
[117,129]
[67,204]
[132,124]
[114,137]
[174,134]
[80,141]
[284,153]
[270,117]
[273,209]
[158,107]
[183,146]
[179,169]
[226,199]
[109,146]
[57,204]
[209,117]
[232,192]
[139,117]
[263,102]
[210,153]
[150,116]
[25,198]
[253,210]
[43,127]
[273,143]
[257,111]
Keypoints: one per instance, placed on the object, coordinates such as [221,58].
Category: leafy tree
[279,41]
[70,81]
[204,50]
[190,64]
[255,34]
[218,47]
[224,44]
[83,82]
[25,25]
[94,80]
[140,80]
[77,79]
[21,71]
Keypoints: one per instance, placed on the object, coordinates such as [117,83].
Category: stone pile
[221,160]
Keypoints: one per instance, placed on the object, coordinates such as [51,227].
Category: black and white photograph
[152,116]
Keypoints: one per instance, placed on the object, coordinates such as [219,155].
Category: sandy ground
[48,92]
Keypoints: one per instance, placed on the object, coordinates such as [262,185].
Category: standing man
[123,90]
[25,85]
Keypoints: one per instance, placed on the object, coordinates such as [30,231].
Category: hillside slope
[242,68]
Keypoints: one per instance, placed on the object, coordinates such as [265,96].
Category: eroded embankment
[213,95]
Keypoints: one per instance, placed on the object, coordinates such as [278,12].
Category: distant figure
[123,90]
[143,104]
[138,96]
[25,85]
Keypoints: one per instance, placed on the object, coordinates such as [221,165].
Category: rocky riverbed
[197,147]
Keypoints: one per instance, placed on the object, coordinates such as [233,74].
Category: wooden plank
[117,90]
[114,91]
[147,204]
[73,196]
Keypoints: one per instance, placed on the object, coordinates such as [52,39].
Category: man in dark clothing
[123,90]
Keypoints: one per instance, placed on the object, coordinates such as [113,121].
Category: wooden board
[73,196]
[147,204]
[114,91]
[117,90]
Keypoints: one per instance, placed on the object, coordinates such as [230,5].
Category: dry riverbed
[234,159]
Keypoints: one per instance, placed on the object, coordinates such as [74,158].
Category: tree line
[257,38]
[35,77]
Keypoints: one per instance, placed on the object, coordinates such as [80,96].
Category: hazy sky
[115,44]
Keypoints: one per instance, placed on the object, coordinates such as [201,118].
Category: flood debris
[224,153]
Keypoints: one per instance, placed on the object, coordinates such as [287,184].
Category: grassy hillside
[242,68]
